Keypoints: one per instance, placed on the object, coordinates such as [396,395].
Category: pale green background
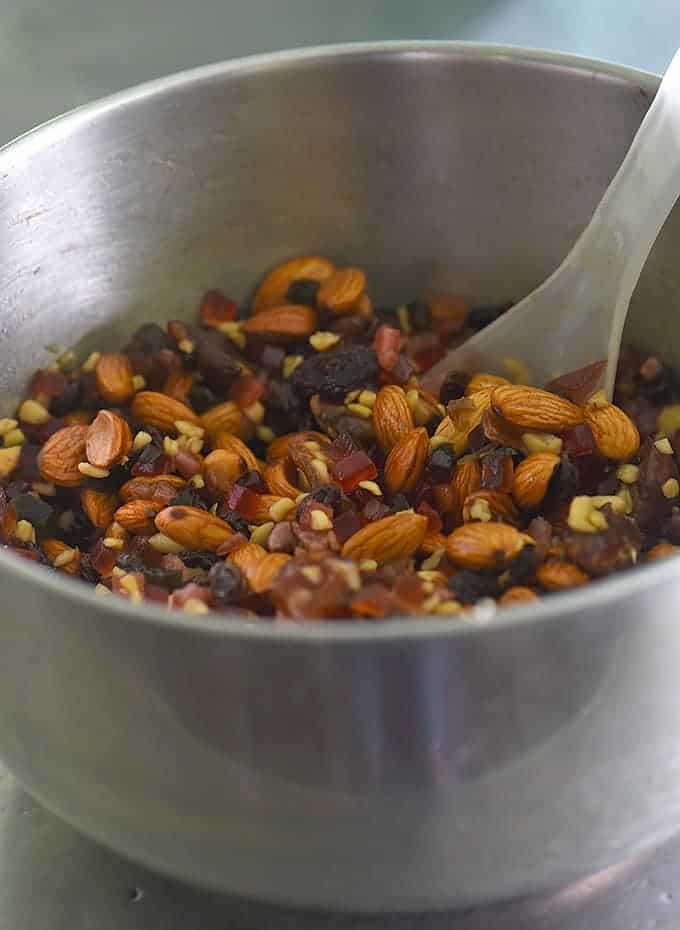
[56,54]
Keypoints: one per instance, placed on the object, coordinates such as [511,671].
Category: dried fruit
[394,537]
[333,374]
[406,462]
[161,412]
[616,436]
[485,545]
[108,440]
[62,453]
[534,409]
[392,416]
[114,378]
[532,479]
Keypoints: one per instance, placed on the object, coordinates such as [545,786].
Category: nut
[63,557]
[155,409]
[192,527]
[467,478]
[223,418]
[534,409]
[584,512]
[486,505]
[662,550]
[464,416]
[485,545]
[60,456]
[279,477]
[220,471]
[542,442]
[32,412]
[394,537]
[532,479]
[287,323]
[99,507]
[392,417]
[274,287]
[498,431]
[616,436]
[267,570]
[114,378]
[483,381]
[280,447]
[342,289]
[406,462]
[558,574]
[248,558]
[517,595]
[9,459]
[433,542]
[108,439]
[159,488]
[178,384]
[138,516]
[231,443]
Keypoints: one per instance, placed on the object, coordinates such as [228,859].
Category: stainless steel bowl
[403,765]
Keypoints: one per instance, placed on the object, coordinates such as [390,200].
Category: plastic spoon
[576,316]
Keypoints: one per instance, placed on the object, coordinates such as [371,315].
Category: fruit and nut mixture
[282,459]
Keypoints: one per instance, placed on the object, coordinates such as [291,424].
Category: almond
[138,516]
[223,418]
[486,505]
[485,545]
[79,418]
[662,550]
[108,440]
[231,443]
[280,476]
[558,574]
[432,542]
[220,471]
[159,488]
[287,323]
[114,378]
[155,409]
[498,431]
[532,478]
[62,453]
[534,409]
[482,381]
[192,527]
[394,537]
[267,570]
[392,417]
[178,384]
[279,448]
[273,290]
[616,436]
[517,595]
[464,416]
[248,558]
[406,462]
[342,289]
[98,506]
[467,478]
[56,551]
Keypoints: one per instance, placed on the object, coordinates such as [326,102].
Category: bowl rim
[605,593]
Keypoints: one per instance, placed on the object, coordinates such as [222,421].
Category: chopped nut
[101,589]
[361,410]
[142,439]
[233,330]
[112,543]
[89,365]
[195,606]
[312,573]
[517,371]
[322,341]
[25,531]
[138,382]
[15,437]
[669,420]
[162,543]
[290,363]
[64,558]
[184,428]
[664,446]
[321,522]
[7,425]
[371,487]
[628,473]
[186,346]
[542,442]
[34,413]
[260,534]
[368,565]
[434,560]
[280,510]
[670,488]
[91,471]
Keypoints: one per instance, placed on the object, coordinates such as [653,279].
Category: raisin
[34,509]
[199,558]
[454,386]
[166,578]
[149,339]
[218,367]
[188,497]
[328,494]
[226,583]
[469,586]
[333,374]
[440,466]
[254,481]
[480,317]
[130,562]
[68,400]
[419,315]
[202,398]
[303,291]
[86,570]
[236,522]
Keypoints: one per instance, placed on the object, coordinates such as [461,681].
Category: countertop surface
[60,54]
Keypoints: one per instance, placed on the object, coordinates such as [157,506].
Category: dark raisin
[236,522]
[480,317]
[303,291]
[521,567]
[493,470]
[79,531]
[86,571]
[226,584]
[68,400]
[419,315]
[202,398]
[440,466]
[454,386]
[328,494]
[469,587]
[34,509]
[163,577]
[254,481]
[199,558]
[333,374]
[149,339]
[189,497]
[399,502]
[130,562]
[282,405]
[218,367]
[388,316]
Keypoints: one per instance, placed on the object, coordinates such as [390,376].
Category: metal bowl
[404,765]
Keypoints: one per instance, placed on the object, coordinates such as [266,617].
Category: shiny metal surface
[406,767]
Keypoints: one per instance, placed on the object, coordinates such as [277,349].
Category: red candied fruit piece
[342,446]
[152,592]
[373,601]
[434,521]
[102,559]
[151,464]
[216,309]
[578,440]
[245,502]
[577,386]
[246,390]
[346,525]
[387,345]
[352,469]
[191,591]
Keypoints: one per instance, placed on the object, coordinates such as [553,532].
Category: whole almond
[192,527]
[406,462]
[532,479]
[341,290]
[155,409]
[662,550]
[274,287]
[223,418]
[518,594]
[98,506]
[108,439]
[279,477]
[267,570]
[220,471]
[138,516]
[159,488]
[394,537]
[114,378]
[231,443]
[482,381]
[467,478]
[558,575]
[287,323]
[616,436]
[485,545]
[248,558]
[279,448]
[392,417]
[62,453]
[54,548]
[534,409]
[486,505]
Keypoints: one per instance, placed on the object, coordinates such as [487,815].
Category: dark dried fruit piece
[333,374]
